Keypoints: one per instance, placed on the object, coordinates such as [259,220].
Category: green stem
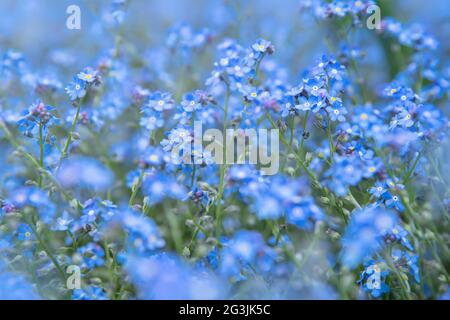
[302,143]
[72,130]
[41,153]
[32,159]
[135,188]
[223,168]
[353,199]
[330,140]
[291,150]
[48,252]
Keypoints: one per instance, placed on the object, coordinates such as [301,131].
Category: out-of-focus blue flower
[244,255]
[345,171]
[304,213]
[82,172]
[63,222]
[398,233]
[36,198]
[159,277]
[152,120]
[143,234]
[92,255]
[89,293]
[364,234]
[157,186]
[407,262]
[15,286]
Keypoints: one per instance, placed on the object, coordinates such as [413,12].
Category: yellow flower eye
[160,102]
[261,47]
[372,169]
[253,94]
[364,116]
[27,234]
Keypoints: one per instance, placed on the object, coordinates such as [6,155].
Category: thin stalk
[330,140]
[70,137]
[48,252]
[302,143]
[41,152]
[223,168]
[135,188]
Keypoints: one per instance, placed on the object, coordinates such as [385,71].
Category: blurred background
[37,28]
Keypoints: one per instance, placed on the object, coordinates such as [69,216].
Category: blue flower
[89,293]
[337,113]
[63,222]
[365,233]
[88,75]
[304,213]
[344,172]
[153,156]
[377,190]
[263,46]
[93,256]
[393,201]
[190,102]
[373,278]
[81,172]
[76,89]
[38,114]
[15,286]
[407,262]
[152,120]
[37,199]
[398,233]
[160,101]
[158,186]
[159,277]
[143,234]
[268,207]
[245,254]
[24,232]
